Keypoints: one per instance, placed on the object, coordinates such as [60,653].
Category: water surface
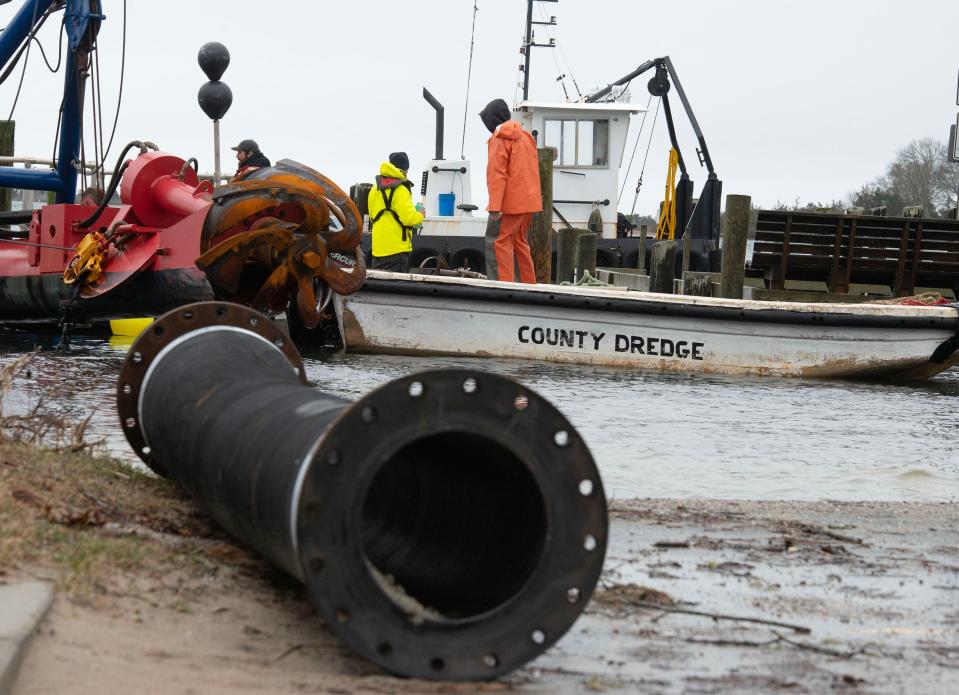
[653,435]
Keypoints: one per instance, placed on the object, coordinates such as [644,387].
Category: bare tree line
[919,175]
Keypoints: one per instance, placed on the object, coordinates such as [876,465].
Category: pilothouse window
[580,142]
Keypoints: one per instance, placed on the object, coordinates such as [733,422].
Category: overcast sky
[796,98]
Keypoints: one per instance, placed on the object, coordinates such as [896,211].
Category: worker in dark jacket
[512,177]
[249,158]
[393,215]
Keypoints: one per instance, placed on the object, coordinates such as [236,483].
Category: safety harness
[388,207]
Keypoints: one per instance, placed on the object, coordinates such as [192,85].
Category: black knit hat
[495,113]
[400,160]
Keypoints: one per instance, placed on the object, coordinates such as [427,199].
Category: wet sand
[866,596]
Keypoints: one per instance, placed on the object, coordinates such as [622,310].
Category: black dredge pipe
[448,525]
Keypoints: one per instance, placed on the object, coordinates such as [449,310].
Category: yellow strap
[667,215]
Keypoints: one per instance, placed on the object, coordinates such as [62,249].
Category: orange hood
[510,130]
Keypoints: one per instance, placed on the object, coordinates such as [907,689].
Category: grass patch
[99,524]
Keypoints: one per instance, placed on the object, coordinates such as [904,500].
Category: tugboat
[589,137]
[419,314]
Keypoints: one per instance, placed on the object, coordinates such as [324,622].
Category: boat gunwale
[941,317]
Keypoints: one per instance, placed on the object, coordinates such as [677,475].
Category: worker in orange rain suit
[512,177]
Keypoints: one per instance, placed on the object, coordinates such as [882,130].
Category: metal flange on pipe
[448,525]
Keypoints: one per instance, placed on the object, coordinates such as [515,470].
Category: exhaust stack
[439,121]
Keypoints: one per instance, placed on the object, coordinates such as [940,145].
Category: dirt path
[876,584]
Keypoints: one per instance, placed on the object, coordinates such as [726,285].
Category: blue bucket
[447,204]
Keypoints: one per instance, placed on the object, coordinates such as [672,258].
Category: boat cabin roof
[610,106]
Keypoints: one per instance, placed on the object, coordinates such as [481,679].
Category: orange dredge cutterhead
[297,229]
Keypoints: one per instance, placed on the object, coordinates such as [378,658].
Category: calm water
[653,435]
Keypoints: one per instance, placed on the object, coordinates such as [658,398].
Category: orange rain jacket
[512,171]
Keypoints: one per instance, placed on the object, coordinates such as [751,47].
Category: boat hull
[150,293]
[451,316]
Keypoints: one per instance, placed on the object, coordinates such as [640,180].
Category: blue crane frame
[81,22]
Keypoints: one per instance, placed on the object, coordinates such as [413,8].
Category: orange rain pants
[511,243]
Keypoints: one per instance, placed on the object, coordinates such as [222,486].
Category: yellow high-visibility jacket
[392,212]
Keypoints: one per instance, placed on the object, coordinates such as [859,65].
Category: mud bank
[701,596]
[867,595]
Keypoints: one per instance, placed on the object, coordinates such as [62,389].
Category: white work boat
[432,315]
[417,314]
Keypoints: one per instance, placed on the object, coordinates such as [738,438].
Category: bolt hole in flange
[469,386]
[416,389]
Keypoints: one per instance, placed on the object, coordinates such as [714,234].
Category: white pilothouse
[589,140]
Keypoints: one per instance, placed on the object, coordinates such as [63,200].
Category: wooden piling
[584,255]
[698,285]
[735,230]
[662,266]
[687,248]
[643,233]
[541,230]
[7,129]
[565,249]
[489,248]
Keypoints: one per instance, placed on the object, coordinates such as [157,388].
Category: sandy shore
[866,597]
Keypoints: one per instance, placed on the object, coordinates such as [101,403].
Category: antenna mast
[529,42]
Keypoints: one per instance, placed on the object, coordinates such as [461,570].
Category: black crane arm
[596,96]
[659,86]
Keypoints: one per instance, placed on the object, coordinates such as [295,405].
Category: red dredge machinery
[283,234]
[274,237]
